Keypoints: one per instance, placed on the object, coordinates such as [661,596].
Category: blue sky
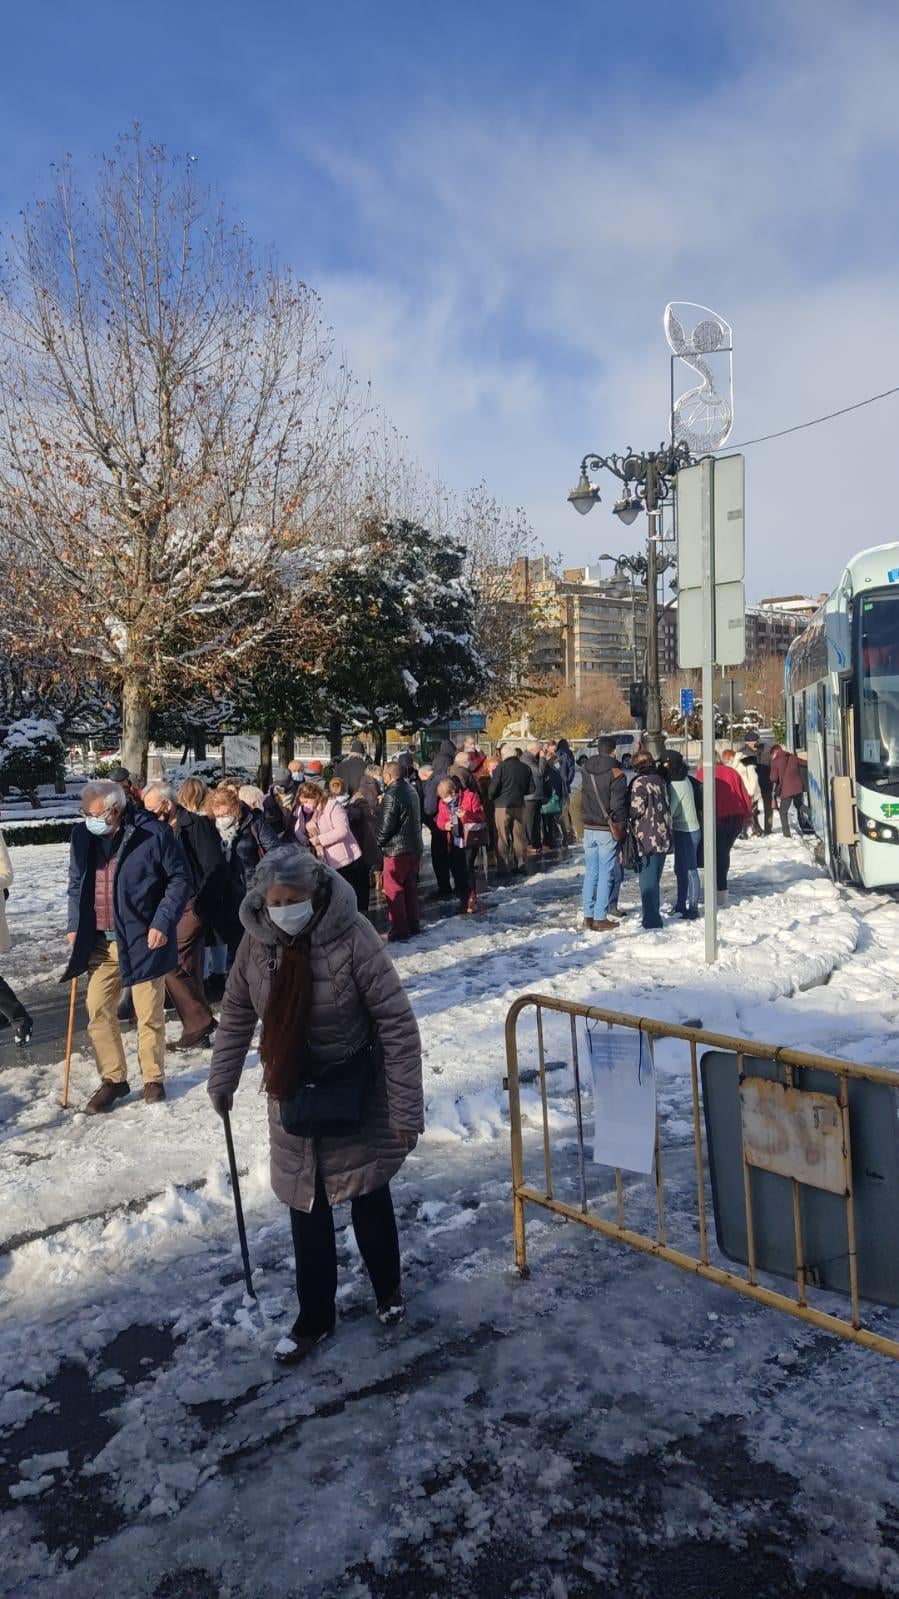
[496,203]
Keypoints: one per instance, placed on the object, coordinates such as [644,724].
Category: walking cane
[65,1086]
[238,1207]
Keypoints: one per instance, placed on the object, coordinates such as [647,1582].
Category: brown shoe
[588,924]
[154,1093]
[604,927]
[199,1041]
[105,1097]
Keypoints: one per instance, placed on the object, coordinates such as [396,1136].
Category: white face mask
[291,918]
[226,824]
[98,825]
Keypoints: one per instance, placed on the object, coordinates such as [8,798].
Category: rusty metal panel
[794,1132]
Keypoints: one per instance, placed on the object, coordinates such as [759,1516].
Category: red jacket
[786,773]
[468,809]
[731,798]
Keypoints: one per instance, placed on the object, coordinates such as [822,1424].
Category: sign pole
[709,650]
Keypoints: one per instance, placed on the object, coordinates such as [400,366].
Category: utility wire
[764,437]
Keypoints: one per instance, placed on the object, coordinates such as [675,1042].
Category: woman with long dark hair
[341,1066]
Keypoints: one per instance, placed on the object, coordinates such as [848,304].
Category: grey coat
[354,982]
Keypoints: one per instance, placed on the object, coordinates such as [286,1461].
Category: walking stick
[238,1207]
[65,1086]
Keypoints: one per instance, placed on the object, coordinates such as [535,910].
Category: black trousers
[315,1249]
[458,865]
[440,857]
[10,1007]
[727,831]
[358,875]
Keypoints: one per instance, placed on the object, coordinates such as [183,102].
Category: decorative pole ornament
[701,417]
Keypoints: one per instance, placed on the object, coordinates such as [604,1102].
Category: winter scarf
[285,1024]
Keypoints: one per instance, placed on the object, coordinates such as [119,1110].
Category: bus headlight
[880,832]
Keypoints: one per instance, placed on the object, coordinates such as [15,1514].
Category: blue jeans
[650,878]
[617,880]
[600,851]
[686,871]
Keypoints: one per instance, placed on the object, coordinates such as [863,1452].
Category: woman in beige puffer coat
[318,977]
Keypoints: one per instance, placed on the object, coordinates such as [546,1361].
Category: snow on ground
[606,1423]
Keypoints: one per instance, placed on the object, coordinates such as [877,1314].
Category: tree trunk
[380,737]
[135,724]
[335,735]
[198,739]
[286,744]
[265,758]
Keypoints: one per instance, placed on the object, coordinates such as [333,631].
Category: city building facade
[589,624]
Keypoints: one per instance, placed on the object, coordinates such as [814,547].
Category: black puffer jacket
[511,783]
[255,837]
[603,782]
[399,829]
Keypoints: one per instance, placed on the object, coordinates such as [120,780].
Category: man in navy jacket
[129,881]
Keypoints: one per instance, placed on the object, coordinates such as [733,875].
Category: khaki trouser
[104,990]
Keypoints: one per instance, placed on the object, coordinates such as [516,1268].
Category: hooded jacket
[440,765]
[354,983]
[603,781]
[333,836]
[151,886]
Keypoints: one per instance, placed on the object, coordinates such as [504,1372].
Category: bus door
[825,829]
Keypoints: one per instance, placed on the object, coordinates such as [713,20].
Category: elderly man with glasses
[129,881]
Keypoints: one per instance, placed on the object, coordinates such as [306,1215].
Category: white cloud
[510,311]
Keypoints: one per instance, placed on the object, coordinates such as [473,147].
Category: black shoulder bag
[333,1103]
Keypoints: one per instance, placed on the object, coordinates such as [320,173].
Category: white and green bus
[842,712]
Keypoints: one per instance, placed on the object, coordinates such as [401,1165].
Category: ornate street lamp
[647,480]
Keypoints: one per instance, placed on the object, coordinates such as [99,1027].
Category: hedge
[55,831]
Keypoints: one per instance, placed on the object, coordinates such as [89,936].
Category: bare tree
[169,412]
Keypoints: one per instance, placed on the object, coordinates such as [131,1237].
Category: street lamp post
[647,483]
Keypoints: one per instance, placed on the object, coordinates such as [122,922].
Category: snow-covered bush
[210,772]
[31,753]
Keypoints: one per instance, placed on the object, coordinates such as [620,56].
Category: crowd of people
[172,884]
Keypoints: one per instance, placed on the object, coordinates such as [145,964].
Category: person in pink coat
[457,808]
[331,835]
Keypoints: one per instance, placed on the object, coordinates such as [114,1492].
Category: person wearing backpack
[650,825]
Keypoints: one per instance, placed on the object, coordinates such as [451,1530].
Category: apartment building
[590,624]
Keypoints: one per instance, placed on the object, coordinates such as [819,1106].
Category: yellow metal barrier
[700,1264]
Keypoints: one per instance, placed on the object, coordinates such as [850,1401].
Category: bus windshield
[877,667]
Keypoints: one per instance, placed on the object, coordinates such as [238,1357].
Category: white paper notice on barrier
[624,1097]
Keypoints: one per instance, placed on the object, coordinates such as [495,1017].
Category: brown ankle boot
[105,1097]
